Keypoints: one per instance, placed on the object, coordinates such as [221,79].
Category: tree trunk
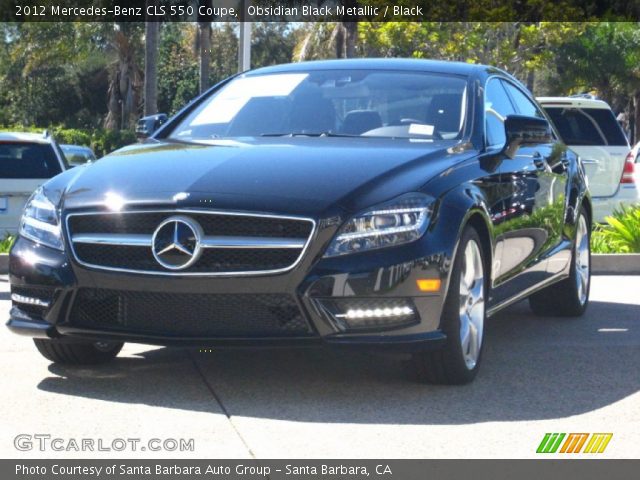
[351,38]
[531,80]
[151,66]
[204,36]
[339,39]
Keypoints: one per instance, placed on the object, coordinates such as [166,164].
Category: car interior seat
[261,115]
[312,113]
[357,122]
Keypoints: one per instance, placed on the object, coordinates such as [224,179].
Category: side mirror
[521,131]
[147,125]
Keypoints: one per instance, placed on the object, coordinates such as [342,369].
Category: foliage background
[89,77]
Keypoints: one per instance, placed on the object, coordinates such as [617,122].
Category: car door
[522,229]
[551,162]
[24,166]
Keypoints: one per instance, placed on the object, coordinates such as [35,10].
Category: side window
[497,106]
[523,104]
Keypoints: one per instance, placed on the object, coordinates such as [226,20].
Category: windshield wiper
[312,134]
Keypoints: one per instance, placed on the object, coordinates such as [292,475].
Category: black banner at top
[317,10]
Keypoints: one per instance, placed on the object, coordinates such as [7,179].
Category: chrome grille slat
[209,241]
[94,231]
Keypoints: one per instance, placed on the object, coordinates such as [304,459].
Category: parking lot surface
[538,375]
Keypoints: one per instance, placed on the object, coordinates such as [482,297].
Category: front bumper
[378,282]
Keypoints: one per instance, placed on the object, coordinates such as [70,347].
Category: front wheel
[78,353]
[570,297]
[462,319]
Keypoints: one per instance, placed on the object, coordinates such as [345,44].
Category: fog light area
[378,313]
[369,313]
[29,300]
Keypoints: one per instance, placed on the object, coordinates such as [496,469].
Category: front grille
[189,315]
[253,252]
[212,261]
[212,223]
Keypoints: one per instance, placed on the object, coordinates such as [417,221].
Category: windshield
[365,103]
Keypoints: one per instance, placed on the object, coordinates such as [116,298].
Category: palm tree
[125,80]
[350,29]
[204,45]
[151,31]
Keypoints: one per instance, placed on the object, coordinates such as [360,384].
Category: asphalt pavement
[538,375]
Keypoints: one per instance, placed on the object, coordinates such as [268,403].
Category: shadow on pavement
[533,368]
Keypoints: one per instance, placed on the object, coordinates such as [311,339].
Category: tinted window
[27,160]
[497,107]
[523,104]
[587,126]
[348,102]
[77,155]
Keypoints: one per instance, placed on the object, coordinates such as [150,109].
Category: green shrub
[106,141]
[621,233]
[72,136]
[6,242]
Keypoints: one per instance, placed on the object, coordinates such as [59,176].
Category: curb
[615,264]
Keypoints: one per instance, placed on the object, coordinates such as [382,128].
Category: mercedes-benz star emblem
[177,243]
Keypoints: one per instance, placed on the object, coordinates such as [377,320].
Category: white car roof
[576,102]
[24,137]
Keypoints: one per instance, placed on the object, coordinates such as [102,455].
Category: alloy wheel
[582,259]
[472,304]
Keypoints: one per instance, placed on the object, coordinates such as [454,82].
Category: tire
[78,353]
[458,361]
[569,297]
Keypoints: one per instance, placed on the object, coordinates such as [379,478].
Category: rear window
[587,126]
[27,160]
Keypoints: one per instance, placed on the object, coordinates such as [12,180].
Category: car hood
[293,175]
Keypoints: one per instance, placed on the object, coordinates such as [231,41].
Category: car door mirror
[147,125]
[521,131]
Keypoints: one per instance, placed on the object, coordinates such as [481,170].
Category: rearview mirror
[521,131]
[147,125]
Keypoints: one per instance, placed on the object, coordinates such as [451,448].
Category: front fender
[459,207]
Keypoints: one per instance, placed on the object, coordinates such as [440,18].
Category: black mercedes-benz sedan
[388,204]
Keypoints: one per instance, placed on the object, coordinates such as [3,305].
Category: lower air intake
[189,315]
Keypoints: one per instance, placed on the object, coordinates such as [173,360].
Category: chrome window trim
[187,211]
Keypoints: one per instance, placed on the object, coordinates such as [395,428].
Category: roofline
[31,137]
[573,101]
[435,66]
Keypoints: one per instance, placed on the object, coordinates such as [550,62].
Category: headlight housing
[40,221]
[402,220]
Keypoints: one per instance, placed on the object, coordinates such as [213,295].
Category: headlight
[40,221]
[402,220]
